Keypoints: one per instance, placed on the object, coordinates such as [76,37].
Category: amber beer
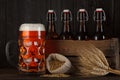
[32,48]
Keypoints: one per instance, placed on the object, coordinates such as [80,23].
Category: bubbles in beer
[32,46]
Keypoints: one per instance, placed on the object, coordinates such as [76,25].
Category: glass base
[31,73]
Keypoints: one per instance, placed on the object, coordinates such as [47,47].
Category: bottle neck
[99,27]
[66,26]
[82,26]
[51,26]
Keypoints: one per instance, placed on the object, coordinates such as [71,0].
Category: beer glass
[31,44]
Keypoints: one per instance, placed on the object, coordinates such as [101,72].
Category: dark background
[13,13]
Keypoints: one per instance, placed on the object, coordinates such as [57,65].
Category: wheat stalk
[93,61]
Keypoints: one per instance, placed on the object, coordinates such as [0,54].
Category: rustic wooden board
[13,74]
[68,48]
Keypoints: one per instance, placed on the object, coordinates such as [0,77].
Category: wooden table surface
[13,74]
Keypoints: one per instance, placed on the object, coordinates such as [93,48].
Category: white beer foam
[32,27]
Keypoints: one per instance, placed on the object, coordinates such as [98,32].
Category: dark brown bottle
[66,18]
[99,17]
[82,17]
[51,31]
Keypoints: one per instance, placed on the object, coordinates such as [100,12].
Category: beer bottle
[66,18]
[99,16]
[51,31]
[82,16]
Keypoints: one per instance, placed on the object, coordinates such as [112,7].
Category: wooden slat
[2,32]
[13,74]
[116,18]
[69,47]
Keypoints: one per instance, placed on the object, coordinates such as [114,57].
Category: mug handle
[13,56]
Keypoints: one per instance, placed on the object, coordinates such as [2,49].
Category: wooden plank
[72,44]
[116,18]
[2,32]
[70,47]
[12,20]
[33,11]
[30,11]
[13,74]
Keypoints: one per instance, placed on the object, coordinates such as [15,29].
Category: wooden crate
[68,47]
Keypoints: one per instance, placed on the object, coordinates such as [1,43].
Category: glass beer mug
[31,44]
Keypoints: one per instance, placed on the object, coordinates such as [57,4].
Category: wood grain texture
[71,48]
[2,32]
[13,74]
[116,18]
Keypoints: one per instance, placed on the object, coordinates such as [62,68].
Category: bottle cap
[50,11]
[82,14]
[99,9]
[51,15]
[66,15]
[99,15]
[66,10]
